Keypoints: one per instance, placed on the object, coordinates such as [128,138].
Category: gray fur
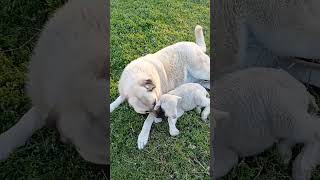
[67,82]
[260,33]
[264,106]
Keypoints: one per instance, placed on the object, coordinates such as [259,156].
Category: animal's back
[191,94]
[252,97]
[70,53]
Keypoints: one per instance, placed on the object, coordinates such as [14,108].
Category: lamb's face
[168,103]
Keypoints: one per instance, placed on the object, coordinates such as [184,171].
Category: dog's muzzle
[159,113]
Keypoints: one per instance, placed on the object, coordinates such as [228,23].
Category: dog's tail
[200,38]
[116,103]
[17,135]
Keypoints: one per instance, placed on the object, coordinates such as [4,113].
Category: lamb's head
[168,105]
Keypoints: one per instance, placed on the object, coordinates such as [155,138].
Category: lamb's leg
[306,131]
[198,109]
[306,161]
[285,150]
[223,162]
[172,127]
[205,102]
[200,69]
[313,103]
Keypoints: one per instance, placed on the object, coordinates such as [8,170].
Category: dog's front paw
[4,155]
[142,140]
[174,132]
[5,148]
[157,120]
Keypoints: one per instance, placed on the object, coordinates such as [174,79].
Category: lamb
[184,98]
[264,106]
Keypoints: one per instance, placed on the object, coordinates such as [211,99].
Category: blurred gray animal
[258,107]
[67,82]
[260,33]
[183,98]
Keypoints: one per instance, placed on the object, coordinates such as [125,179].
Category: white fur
[184,98]
[168,68]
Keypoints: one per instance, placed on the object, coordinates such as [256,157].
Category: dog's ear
[148,84]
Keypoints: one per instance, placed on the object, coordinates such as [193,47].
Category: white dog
[184,98]
[145,79]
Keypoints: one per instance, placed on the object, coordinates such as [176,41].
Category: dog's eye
[154,104]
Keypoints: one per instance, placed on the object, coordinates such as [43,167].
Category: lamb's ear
[148,84]
[220,115]
[157,106]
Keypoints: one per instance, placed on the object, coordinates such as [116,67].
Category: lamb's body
[266,106]
[192,95]
[184,98]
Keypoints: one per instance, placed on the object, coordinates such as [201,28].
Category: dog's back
[70,52]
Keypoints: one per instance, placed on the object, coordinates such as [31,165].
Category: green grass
[44,156]
[138,28]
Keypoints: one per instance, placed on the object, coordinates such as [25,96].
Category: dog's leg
[86,132]
[224,160]
[116,103]
[144,134]
[285,151]
[306,161]
[199,69]
[172,127]
[17,135]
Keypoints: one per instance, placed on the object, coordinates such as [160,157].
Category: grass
[43,157]
[138,28]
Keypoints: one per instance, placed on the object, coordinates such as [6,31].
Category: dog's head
[167,105]
[143,96]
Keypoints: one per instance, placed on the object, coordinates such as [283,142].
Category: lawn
[44,156]
[138,28]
